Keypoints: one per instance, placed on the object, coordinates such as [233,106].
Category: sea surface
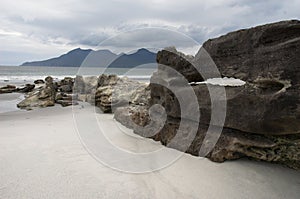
[27,74]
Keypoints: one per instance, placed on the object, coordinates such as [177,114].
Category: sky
[40,29]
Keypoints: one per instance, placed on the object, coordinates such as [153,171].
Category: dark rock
[66,85]
[233,144]
[49,80]
[27,88]
[268,51]
[271,66]
[171,58]
[7,89]
[39,81]
[262,116]
[65,88]
[276,109]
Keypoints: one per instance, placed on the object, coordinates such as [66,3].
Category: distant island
[100,58]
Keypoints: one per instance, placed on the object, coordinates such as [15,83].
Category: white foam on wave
[136,76]
[22,79]
[28,78]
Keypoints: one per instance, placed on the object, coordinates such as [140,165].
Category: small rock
[27,88]
[7,89]
[39,81]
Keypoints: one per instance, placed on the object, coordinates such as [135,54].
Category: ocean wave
[32,78]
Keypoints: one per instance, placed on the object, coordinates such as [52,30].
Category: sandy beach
[8,102]
[42,157]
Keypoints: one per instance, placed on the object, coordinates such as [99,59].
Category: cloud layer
[31,30]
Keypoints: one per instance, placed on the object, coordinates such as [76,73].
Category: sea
[27,74]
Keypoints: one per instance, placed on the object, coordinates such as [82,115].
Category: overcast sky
[39,29]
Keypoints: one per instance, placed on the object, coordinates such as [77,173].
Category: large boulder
[232,144]
[262,116]
[261,107]
[65,85]
[113,92]
[269,51]
[267,58]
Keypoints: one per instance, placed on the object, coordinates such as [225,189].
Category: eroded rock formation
[106,92]
[43,96]
[262,116]
[113,92]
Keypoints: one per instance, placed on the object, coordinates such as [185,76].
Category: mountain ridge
[100,58]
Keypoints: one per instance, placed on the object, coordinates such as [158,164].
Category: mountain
[140,57]
[73,58]
[100,58]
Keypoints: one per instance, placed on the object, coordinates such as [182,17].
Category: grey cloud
[157,38]
[73,23]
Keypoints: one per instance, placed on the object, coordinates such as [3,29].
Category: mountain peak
[79,50]
[143,50]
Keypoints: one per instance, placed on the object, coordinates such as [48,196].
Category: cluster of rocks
[110,91]
[262,116]
[42,96]
[13,88]
[106,92]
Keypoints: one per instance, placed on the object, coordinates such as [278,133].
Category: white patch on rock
[222,82]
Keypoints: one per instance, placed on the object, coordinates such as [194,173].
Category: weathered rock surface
[65,99]
[250,108]
[106,91]
[270,51]
[263,116]
[12,88]
[65,85]
[113,92]
[41,97]
[232,144]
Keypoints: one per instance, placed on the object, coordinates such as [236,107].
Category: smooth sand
[41,156]
[8,102]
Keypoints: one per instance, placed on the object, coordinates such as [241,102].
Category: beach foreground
[42,157]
